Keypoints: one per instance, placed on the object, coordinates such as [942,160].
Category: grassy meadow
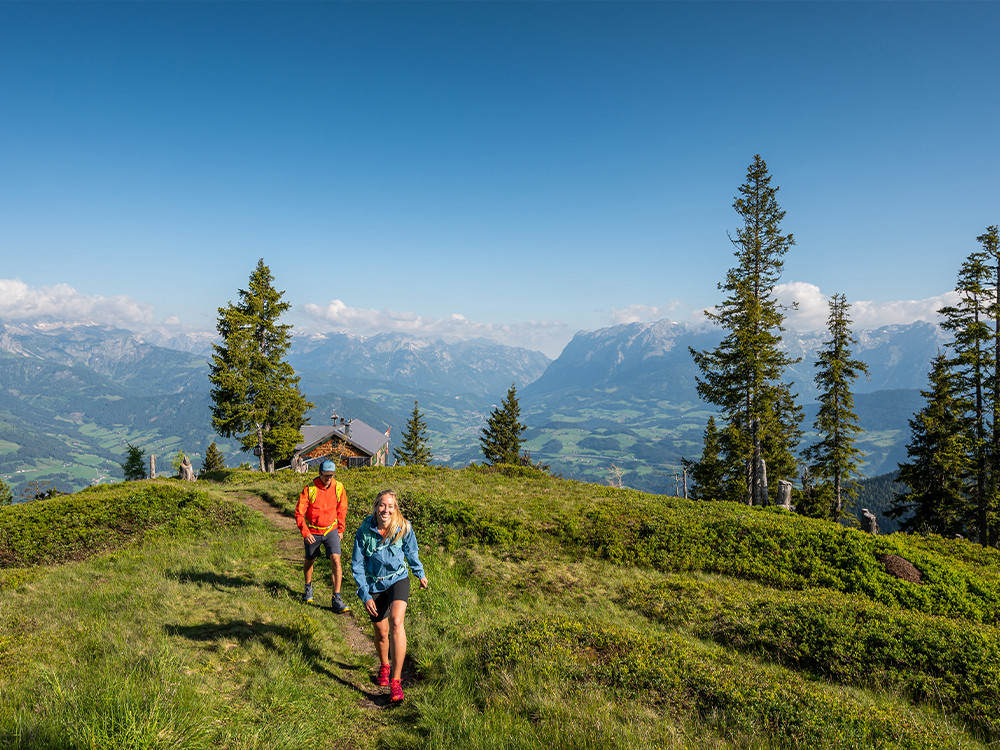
[560,614]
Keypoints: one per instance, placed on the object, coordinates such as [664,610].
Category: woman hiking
[383,545]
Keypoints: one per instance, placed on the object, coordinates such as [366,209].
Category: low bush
[785,551]
[73,527]
[728,691]
[846,639]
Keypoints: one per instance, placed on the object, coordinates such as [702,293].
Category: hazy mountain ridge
[633,387]
[122,356]
[476,366]
[652,354]
[71,395]
[656,355]
[624,394]
[898,356]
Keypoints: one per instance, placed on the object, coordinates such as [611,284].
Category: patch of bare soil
[359,640]
[900,567]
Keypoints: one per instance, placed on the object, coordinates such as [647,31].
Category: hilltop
[560,614]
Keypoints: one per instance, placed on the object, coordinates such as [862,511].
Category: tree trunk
[785,494]
[760,488]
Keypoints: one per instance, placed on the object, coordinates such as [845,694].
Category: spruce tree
[134,467]
[414,450]
[744,375]
[834,459]
[974,365]
[990,242]
[6,496]
[501,438]
[255,391]
[939,459]
[214,460]
[708,474]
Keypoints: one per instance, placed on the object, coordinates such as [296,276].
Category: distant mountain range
[71,395]
[627,395]
[450,368]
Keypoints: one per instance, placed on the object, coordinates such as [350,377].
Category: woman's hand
[371,607]
[423,583]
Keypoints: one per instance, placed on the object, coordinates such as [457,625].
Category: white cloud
[642,313]
[62,302]
[546,336]
[810,314]
[813,308]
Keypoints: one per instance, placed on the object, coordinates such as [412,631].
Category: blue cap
[327,467]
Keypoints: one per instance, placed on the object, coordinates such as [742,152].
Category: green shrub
[784,551]
[101,518]
[726,690]
[846,639]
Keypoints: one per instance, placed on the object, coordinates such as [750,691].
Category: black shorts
[397,592]
[330,540]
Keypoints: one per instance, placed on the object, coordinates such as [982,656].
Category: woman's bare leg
[382,640]
[395,619]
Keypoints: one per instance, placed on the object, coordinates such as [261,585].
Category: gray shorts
[330,540]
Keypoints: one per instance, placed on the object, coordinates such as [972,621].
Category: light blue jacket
[377,563]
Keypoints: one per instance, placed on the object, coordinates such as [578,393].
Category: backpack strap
[311,491]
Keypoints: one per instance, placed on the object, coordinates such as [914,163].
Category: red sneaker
[396,691]
[383,675]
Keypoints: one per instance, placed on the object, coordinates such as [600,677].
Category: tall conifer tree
[414,450]
[990,242]
[938,459]
[974,366]
[962,413]
[501,437]
[835,459]
[744,375]
[255,391]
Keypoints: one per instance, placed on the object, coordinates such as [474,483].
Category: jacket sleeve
[300,511]
[410,550]
[358,566]
[341,508]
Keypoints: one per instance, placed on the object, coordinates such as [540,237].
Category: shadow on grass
[220,581]
[277,638]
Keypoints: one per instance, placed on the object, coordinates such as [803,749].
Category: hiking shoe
[307,597]
[383,675]
[338,605]
[396,691]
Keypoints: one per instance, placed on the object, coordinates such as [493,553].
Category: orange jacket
[319,509]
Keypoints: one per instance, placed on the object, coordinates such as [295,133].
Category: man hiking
[320,515]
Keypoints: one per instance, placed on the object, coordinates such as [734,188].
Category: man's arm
[300,513]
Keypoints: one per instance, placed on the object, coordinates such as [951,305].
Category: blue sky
[514,170]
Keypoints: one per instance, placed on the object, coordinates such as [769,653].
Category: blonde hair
[398,526]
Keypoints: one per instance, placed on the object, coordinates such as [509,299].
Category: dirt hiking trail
[357,638]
